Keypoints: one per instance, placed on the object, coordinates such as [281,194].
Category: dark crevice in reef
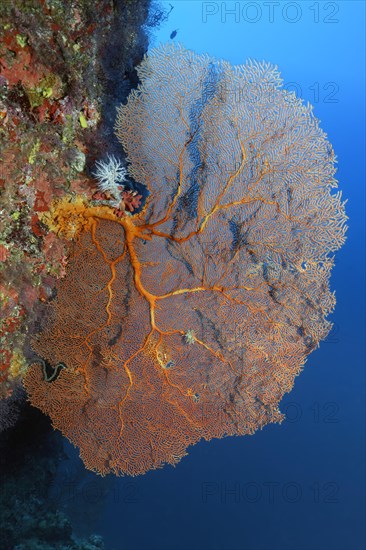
[30,453]
[121,50]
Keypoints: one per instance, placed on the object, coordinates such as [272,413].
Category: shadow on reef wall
[83,495]
[30,454]
[122,49]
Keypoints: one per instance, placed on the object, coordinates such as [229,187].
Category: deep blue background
[299,485]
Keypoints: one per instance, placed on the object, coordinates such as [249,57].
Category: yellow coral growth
[72,214]
[18,366]
[66,216]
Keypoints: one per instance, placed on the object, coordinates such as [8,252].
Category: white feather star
[110,175]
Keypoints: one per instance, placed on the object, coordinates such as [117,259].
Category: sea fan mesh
[192,319]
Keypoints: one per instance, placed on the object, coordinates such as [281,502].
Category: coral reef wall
[58,93]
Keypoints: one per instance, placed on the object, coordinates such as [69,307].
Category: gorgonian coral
[192,318]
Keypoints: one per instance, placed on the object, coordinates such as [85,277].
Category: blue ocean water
[299,485]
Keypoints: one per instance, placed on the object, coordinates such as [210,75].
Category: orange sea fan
[191,319]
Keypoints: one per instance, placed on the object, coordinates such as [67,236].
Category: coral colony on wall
[191,318]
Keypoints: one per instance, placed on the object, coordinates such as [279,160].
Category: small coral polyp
[111,176]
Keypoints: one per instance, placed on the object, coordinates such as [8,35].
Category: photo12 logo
[271,12]
[269,492]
